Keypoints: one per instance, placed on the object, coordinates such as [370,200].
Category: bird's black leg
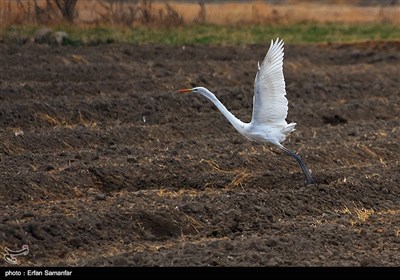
[306,171]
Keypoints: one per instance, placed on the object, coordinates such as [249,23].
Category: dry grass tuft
[240,175]
[56,122]
[361,215]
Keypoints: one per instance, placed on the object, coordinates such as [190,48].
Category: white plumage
[270,106]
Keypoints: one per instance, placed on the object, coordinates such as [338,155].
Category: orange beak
[185,90]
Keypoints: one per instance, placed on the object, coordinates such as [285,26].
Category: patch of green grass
[225,35]
[18,31]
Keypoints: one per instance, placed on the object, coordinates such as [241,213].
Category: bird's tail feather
[289,128]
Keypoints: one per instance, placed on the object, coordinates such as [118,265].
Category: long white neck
[237,124]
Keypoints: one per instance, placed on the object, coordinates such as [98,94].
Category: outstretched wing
[270,105]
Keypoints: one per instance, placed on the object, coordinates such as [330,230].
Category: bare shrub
[202,16]
[67,9]
[170,17]
[23,13]
[46,14]
[117,12]
[138,12]
[36,11]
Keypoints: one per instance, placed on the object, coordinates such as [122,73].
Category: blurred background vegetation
[211,22]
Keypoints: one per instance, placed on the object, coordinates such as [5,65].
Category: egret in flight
[270,106]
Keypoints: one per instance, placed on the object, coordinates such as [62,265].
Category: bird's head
[195,90]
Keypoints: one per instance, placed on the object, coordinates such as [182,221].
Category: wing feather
[270,106]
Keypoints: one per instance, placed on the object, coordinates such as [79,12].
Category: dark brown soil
[104,164]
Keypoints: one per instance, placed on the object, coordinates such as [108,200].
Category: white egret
[270,106]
